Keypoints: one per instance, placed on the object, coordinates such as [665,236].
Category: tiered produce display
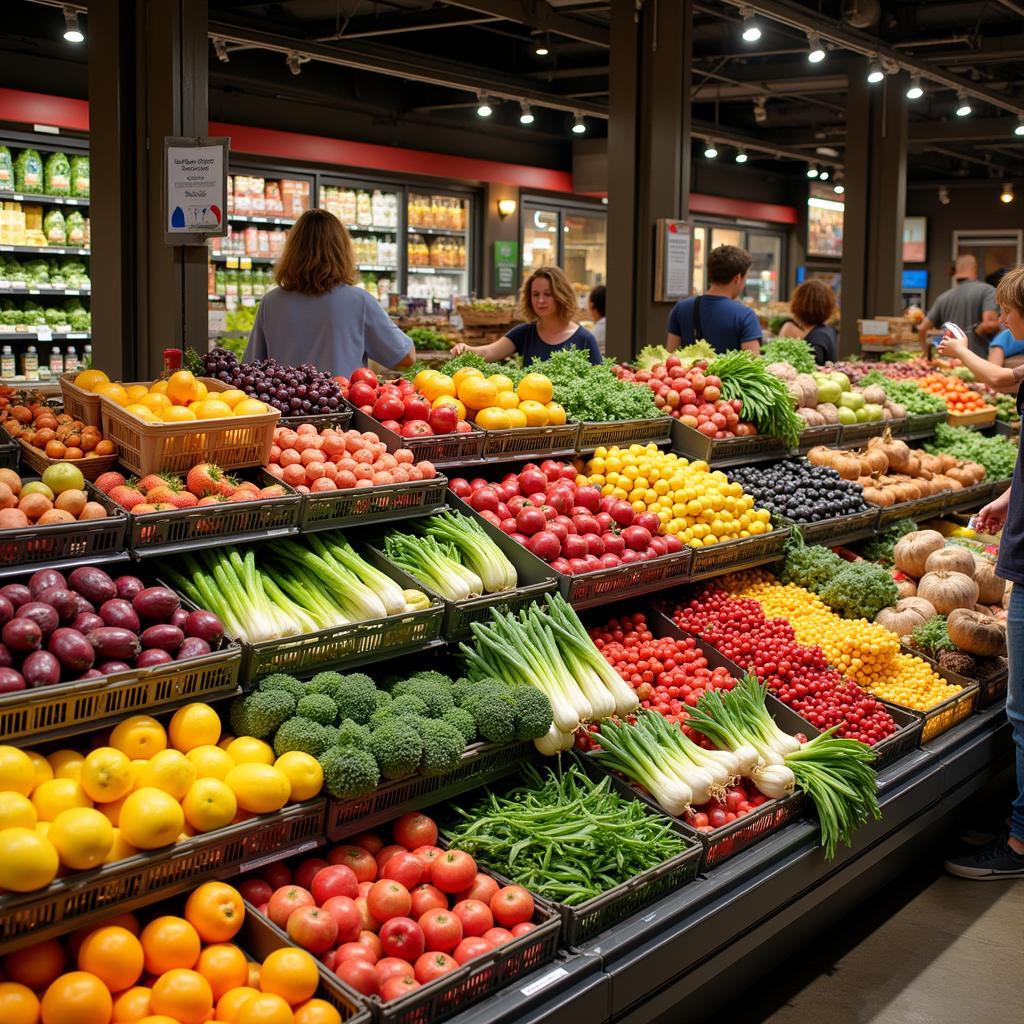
[333,735]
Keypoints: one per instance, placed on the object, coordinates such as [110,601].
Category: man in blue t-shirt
[716,316]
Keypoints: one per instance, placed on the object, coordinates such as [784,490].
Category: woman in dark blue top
[547,304]
[812,305]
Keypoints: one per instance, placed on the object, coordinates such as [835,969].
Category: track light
[1019,130]
[525,114]
[1006,196]
[294,63]
[944,196]
[541,44]
[751,30]
[816,51]
[760,110]
[710,151]
[72,31]
[812,171]
[579,126]
[915,92]
[221,49]
[875,73]
[823,174]
[741,156]
[839,188]
[484,108]
[963,105]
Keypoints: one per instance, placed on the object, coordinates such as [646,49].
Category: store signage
[195,175]
[673,260]
[506,267]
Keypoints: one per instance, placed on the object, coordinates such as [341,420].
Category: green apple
[851,400]
[861,414]
[841,379]
[846,415]
[37,487]
[828,391]
[874,412]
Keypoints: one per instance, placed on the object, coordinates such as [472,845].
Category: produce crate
[486,317]
[232,443]
[839,529]
[734,555]
[339,419]
[81,404]
[923,425]
[811,437]
[991,689]
[1007,428]
[969,498]
[860,433]
[527,442]
[730,451]
[944,716]
[586,589]
[10,451]
[187,529]
[481,763]
[918,509]
[92,466]
[91,541]
[657,429]
[363,506]
[87,897]
[983,418]
[441,449]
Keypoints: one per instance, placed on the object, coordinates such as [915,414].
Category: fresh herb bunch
[766,401]
[430,339]
[794,351]
[932,637]
[860,590]
[998,454]
[1006,408]
[450,367]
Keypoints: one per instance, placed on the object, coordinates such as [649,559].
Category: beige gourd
[976,633]
[948,591]
[990,587]
[951,559]
[906,615]
[911,552]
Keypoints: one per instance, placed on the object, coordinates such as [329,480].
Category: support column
[875,196]
[648,159]
[147,80]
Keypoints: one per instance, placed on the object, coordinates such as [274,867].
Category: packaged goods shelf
[47,250]
[28,197]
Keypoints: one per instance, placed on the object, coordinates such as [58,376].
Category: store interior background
[317,115]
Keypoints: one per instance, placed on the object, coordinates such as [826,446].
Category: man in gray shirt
[970,303]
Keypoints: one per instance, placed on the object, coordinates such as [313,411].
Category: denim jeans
[1015,699]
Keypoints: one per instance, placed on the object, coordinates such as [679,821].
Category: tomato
[523,928]
[406,868]
[388,899]
[415,829]
[497,936]
[366,920]
[358,858]
[453,871]
[356,951]
[368,841]
[512,905]
[395,988]
[307,870]
[371,940]
[275,875]
[346,916]
[385,854]
[360,974]
[394,967]
[427,897]
[469,948]
[442,930]
[427,856]
[476,917]
[482,889]
[434,965]
[334,880]
[285,900]
[402,937]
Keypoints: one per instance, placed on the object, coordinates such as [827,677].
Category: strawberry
[161,494]
[242,494]
[126,497]
[204,479]
[273,491]
[228,485]
[153,480]
[244,488]
[106,482]
[144,507]
[185,499]
[213,499]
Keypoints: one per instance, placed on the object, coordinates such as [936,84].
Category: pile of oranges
[142,787]
[179,398]
[176,970]
[494,402]
[959,398]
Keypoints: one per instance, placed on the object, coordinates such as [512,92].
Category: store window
[700,249]
[994,250]
[540,239]
[765,268]
[586,250]
[727,236]
[568,235]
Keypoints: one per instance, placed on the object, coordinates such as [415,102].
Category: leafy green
[794,351]
[932,637]
[766,401]
[998,454]
[859,590]
[808,566]
[650,355]
[690,354]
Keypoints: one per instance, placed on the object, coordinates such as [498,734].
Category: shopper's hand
[952,346]
[457,350]
[991,519]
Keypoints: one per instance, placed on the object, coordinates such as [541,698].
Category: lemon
[305,775]
[195,725]
[259,788]
[211,762]
[170,771]
[150,818]
[82,837]
[249,750]
[16,810]
[17,773]
[28,860]
[106,775]
[58,795]
[209,804]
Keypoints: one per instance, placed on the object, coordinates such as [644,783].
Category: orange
[183,995]
[211,409]
[150,818]
[106,775]
[168,943]
[477,393]
[216,911]
[66,764]
[115,392]
[516,417]
[155,402]
[535,387]
[77,998]
[88,379]
[264,1009]
[131,1005]
[181,388]
[317,1011]
[211,761]
[250,407]
[121,849]
[437,386]
[259,788]
[157,1018]
[170,771]
[466,371]
[114,955]
[82,837]
[536,414]
[142,412]
[139,736]
[232,396]
[194,725]
[423,376]
[209,804]
[291,974]
[18,1004]
[305,774]
[228,1004]
[224,966]
[44,772]
[249,750]
[493,418]
[177,414]
[451,400]
[556,414]
[35,966]
[16,811]
[17,772]
[136,391]
[254,975]
[501,382]
[507,400]
[158,387]
[28,860]
[201,391]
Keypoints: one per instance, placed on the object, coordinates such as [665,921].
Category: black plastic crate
[824,434]
[623,433]
[923,425]
[734,555]
[339,420]
[1009,428]
[10,451]
[840,529]
[730,451]
[557,440]
[943,716]
[363,506]
[440,449]
[968,498]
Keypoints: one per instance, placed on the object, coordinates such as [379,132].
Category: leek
[476,548]
[435,565]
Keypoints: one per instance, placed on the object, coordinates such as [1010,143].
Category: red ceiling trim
[744,209]
[37,108]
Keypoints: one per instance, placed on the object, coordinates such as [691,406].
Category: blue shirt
[726,322]
[1010,345]
[1010,560]
[530,345]
[336,331]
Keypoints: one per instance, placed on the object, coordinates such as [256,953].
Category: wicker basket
[92,466]
[486,317]
[983,418]
[234,443]
[81,404]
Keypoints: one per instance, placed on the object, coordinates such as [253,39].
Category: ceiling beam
[394,24]
[965,129]
[405,64]
[731,89]
[999,49]
[538,15]
[705,130]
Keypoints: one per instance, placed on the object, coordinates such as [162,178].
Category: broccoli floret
[379,717]
[435,677]
[349,772]
[483,691]
[359,679]
[407,704]
[383,699]
[356,697]
[495,720]
[442,746]
[461,689]
[281,681]
[332,733]
[326,682]
[533,712]
[435,695]
[397,747]
[351,734]
[259,714]
[301,734]
[319,707]
[463,721]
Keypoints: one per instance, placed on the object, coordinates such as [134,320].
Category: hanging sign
[673,260]
[506,267]
[195,176]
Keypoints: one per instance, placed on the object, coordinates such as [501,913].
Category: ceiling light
[221,49]
[578,124]
[816,50]
[1019,130]
[875,73]
[741,156]
[710,151]
[541,44]
[823,174]
[944,196]
[839,188]
[484,108]
[294,63]
[812,171]
[963,105]
[1006,196]
[72,32]
[915,92]
[751,30]
[760,111]
[525,114]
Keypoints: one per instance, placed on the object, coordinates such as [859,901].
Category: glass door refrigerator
[575,237]
[438,247]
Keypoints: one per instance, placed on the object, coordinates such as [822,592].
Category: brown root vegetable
[948,591]
[819,455]
[906,587]
[976,633]
[847,466]
[878,496]
[874,461]
[990,587]
[911,551]
[950,559]
[905,616]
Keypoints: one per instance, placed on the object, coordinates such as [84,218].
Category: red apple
[402,937]
[335,880]
[313,929]
[285,901]
[347,917]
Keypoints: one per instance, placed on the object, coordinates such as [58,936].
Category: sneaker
[997,860]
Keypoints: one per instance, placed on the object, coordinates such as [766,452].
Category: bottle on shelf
[7,363]
[87,357]
[30,363]
[56,361]
[71,360]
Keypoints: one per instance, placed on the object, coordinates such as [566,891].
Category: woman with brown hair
[812,305]
[547,305]
[317,314]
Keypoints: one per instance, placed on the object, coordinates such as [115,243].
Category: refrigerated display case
[767,250]
[573,236]
[437,247]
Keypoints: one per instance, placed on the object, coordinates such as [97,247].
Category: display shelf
[54,333]
[368,229]
[223,257]
[42,289]
[46,250]
[379,268]
[259,218]
[437,270]
[454,232]
[28,197]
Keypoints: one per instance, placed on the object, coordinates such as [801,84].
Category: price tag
[71,291]
[33,291]
[232,263]
[6,248]
[5,284]
[44,334]
[541,983]
[245,263]
[248,300]
[275,855]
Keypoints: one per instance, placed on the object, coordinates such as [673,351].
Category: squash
[878,496]
[912,551]
[976,633]
[906,587]
[846,465]
[874,461]
[948,591]
[819,455]
[951,559]
[905,616]
[990,587]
